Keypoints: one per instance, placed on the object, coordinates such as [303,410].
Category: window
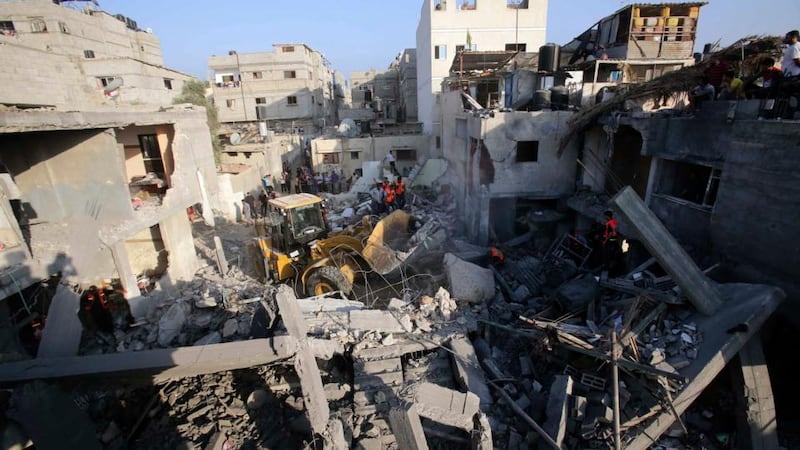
[88,54]
[261,100]
[287,49]
[354,156]
[38,25]
[440,5]
[289,74]
[440,52]
[692,182]
[517,4]
[405,154]
[291,100]
[168,83]
[63,27]
[141,48]
[7,28]
[151,153]
[330,158]
[516,47]
[310,75]
[466,4]
[105,81]
[258,75]
[230,103]
[438,142]
[527,151]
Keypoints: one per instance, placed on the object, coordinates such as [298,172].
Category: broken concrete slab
[759,399]
[468,282]
[469,372]
[159,365]
[700,290]
[171,323]
[447,406]
[747,307]
[62,335]
[375,320]
[558,407]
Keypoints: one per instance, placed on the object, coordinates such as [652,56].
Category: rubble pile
[250,408]
[209,310]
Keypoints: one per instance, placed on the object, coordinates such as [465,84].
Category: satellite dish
[115,84]
[235,138]
[348,128]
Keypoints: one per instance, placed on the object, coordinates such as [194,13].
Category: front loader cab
[297,220]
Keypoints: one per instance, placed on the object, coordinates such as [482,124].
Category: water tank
[559,98]
[549,56]
[541,99]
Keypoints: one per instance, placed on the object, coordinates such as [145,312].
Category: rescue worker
[93,311]
[391,196]
[496,256]
[401,193]
[611,245]
[377,193]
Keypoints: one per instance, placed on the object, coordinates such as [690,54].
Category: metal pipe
[615,386]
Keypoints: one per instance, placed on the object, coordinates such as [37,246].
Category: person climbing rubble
[611,243]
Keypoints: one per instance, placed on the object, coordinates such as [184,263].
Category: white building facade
[448,26]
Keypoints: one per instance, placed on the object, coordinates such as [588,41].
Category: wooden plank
[160,365]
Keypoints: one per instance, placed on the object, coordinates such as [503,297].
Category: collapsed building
[546,347]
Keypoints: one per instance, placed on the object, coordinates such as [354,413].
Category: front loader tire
[328,279]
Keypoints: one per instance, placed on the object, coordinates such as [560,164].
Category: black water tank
[559,98]
[549,56]
[541,99]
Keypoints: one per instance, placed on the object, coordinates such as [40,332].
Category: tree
[194,92]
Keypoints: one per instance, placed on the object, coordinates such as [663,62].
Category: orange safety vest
[390,196]
[610,231]
[401,188]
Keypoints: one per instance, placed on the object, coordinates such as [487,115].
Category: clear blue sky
[363,34]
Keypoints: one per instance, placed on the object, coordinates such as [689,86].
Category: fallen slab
[557,408]
[469,372]
[62,335]
[760,402]
[670,255]
[446,406]
[747,307]
[468,282]
[160,365]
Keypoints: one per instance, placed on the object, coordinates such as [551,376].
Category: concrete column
[698,288]
[176,232]
[655,164]
[122,262]
[758,396]
[407,428]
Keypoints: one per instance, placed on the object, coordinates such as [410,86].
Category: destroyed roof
[469,61]
[755,48]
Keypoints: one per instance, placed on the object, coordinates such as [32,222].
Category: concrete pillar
[655,164]
[758,396]
[176,232]
[698,288]
[122,262]
[407,428]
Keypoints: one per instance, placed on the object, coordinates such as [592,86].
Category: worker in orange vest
[391,197]
[612,251]
[401,193]
[496,256]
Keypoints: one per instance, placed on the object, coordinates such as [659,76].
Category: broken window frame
[709,194]
[151,154]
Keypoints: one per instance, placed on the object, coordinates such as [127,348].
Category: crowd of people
[720,81]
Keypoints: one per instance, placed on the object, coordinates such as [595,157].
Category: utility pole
[516,25]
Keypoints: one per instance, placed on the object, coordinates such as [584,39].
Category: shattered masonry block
[593,382]
[468,282]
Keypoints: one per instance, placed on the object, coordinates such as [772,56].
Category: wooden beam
[160,365]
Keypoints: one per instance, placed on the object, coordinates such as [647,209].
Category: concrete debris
[171,323]
[468,282]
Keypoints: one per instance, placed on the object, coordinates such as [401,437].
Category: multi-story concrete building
[407,85]
[102,195]
[292,86]
[60,57]
[447,27]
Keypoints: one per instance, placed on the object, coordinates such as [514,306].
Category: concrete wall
[408,83]
[367,149]
[752,226]
[491,26]
[49,68]
[262,75]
